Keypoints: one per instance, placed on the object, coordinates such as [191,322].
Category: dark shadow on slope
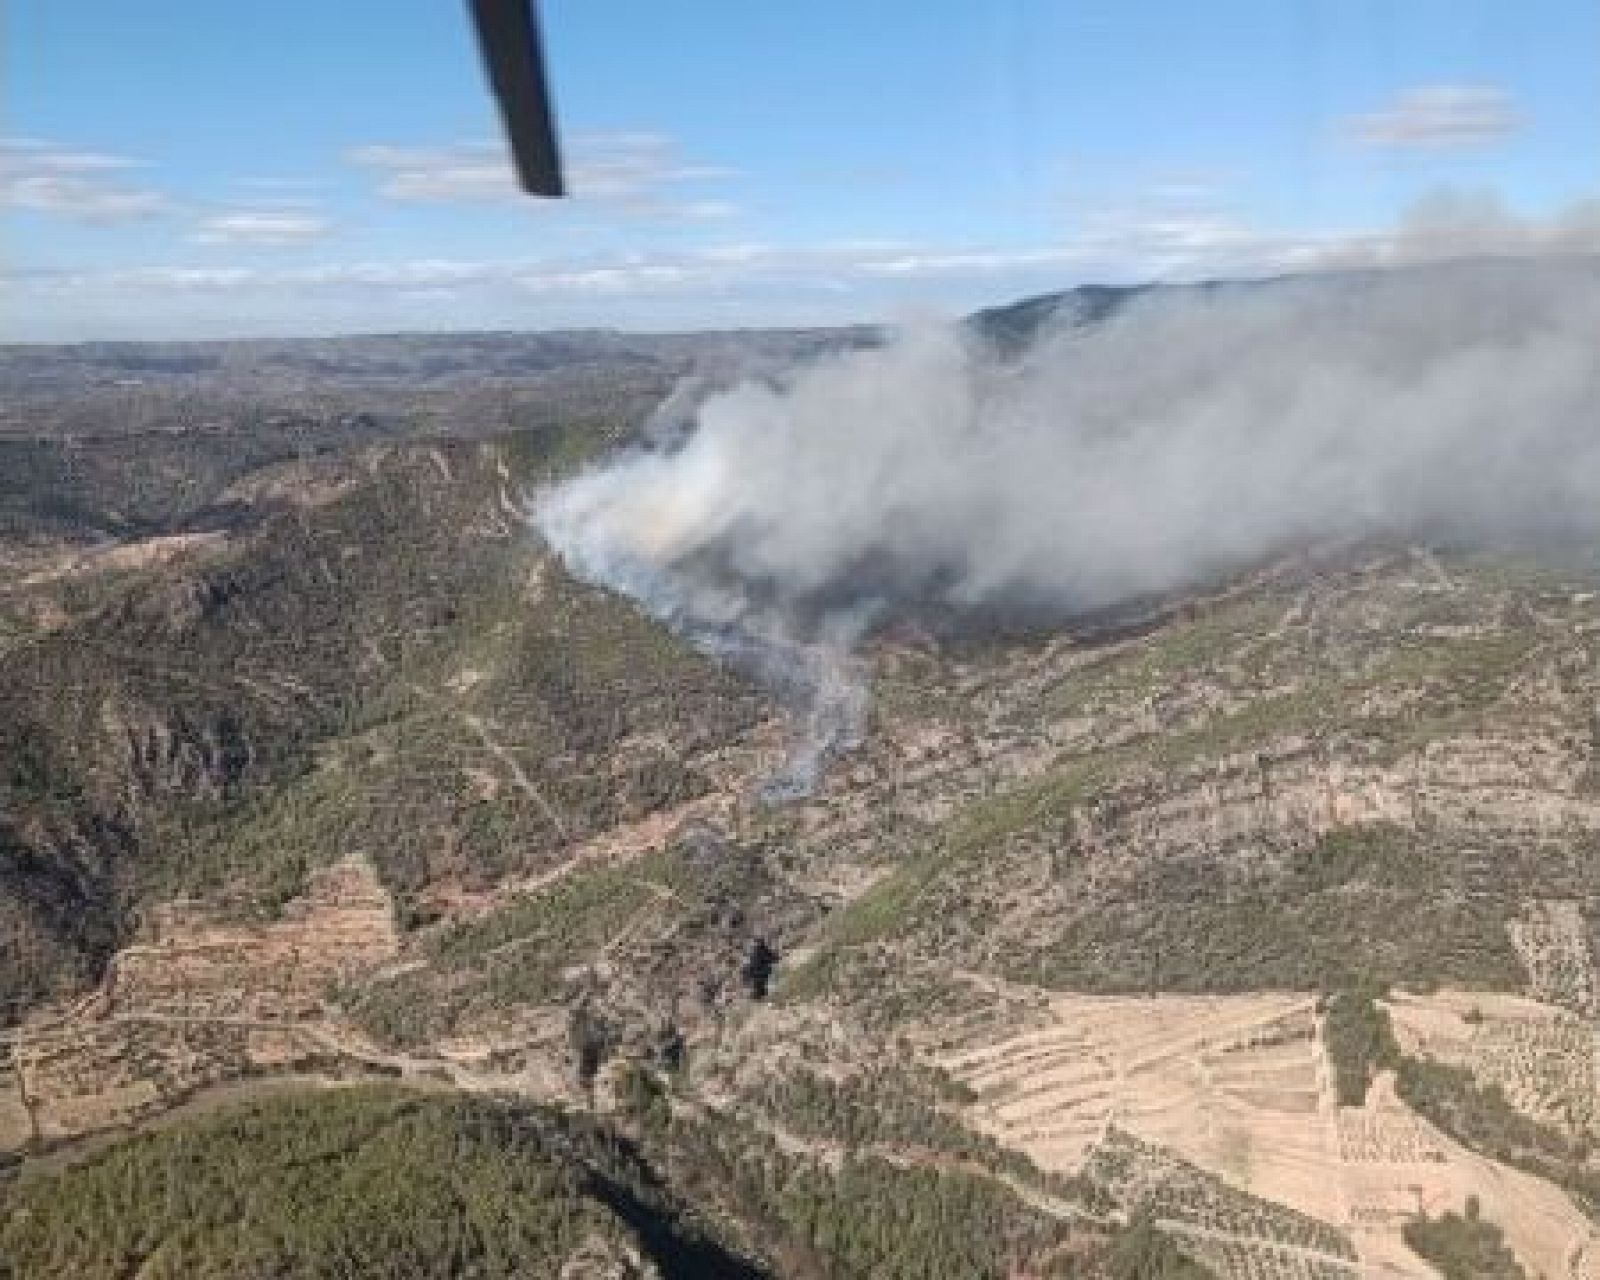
[680,1256]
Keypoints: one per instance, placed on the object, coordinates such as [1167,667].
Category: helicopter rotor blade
[513,56]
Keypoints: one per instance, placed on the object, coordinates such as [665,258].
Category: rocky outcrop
[1293,791]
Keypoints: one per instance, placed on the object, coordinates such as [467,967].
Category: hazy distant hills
[115,387]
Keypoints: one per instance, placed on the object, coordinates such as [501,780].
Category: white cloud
[463,172]
[747,282]
[269,226]
[1438,116]
[1451,224]
[86,186]
[640,174]
[687,272]
[1446,225]
[1175,242]
[707,210]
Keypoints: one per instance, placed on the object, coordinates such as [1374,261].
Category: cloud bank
[734,282]
[66,182]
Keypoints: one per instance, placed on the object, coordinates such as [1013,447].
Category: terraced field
[205,1001]
[1239,1087]
[1543,1058]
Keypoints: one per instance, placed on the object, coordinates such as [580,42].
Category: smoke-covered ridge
[1187,433]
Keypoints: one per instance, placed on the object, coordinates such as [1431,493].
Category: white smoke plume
[1191,432]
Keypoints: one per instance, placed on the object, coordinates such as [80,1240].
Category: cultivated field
[1239,1087]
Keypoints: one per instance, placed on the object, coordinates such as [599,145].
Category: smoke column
[1191,432]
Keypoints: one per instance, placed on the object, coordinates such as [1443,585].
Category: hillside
[378,1182]
[371,877]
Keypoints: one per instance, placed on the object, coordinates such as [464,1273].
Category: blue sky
[194,168]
